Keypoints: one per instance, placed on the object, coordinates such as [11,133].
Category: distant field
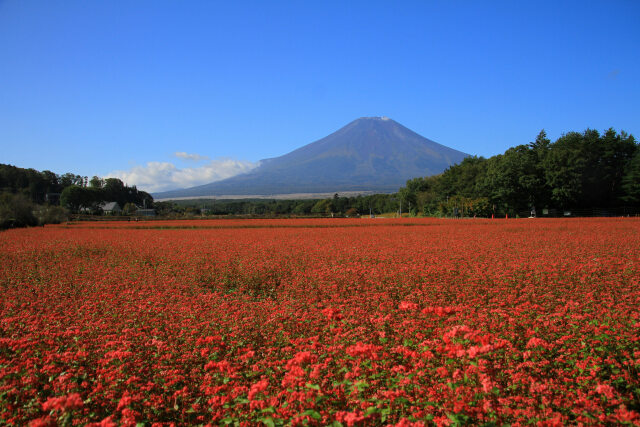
[321,321]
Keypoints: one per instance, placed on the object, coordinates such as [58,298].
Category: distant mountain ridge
[370,154]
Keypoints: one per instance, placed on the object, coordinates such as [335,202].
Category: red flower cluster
[63,403]
[404,322]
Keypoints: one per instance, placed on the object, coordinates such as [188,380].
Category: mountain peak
[382,118]
[370,154]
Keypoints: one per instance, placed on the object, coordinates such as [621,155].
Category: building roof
[110,206]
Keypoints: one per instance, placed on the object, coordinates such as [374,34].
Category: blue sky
[170,94]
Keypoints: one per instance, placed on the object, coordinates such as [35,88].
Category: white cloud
[162,176]
[192,157]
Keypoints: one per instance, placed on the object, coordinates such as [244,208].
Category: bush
[16,210]
[129,209]
[52,215]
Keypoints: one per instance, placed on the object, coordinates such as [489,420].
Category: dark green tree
[76,198]
[463,179]
[96,182]
[616,152]
[564,167]
[631,181]
[16,210]
[69,179]
[513,180]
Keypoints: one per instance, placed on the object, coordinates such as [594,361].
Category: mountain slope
[369,154]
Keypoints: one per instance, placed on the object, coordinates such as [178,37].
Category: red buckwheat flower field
[321,322]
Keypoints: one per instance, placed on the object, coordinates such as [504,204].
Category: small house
[111,208]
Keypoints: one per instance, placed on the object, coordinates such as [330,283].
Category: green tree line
[35,185]
[577,171]
[30,197]
[335,206]
[88,198]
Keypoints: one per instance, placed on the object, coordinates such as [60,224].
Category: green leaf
[458,419]
[313,414]
[313,386]
[268,421]
[371,410]
[361,385]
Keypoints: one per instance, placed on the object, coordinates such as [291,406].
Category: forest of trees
[338,206]
[31,197]
[579,171]
[89,197]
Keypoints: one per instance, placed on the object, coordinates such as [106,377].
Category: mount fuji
[370,154]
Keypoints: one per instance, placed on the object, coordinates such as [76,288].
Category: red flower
[63,403]
[606,390]
[257,388]
[44,422]
[408,306]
